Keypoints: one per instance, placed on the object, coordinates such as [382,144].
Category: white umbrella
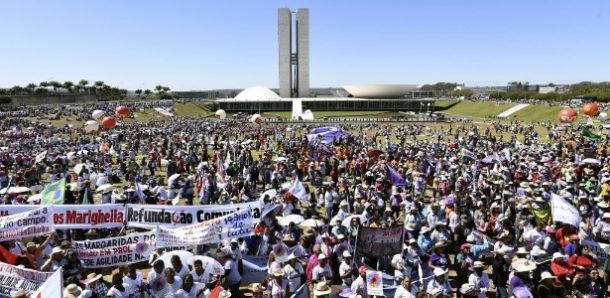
[164,162]
[271,193]
[104,188]
[70,155]
[592,161]
[280,159]
[295,218]
[79,167]
[185,256]
[271,208]
[210,265]
[35,199]
[171,179]
[14,189]
[347,222]
[248,142]
[311,223]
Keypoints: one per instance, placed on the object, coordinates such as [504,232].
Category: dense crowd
[475,203]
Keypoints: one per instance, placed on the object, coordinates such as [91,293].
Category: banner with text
[234,225]
[151,216]
[77,216]
[115,251]
[13,278]
[596,248]
[26,224]
[373,242]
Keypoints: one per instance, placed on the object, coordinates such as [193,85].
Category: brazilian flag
[589,135]
[54,193]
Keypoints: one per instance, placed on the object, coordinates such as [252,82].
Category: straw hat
[279,272]
[19,294]
[91,278]
[73,290]
[254,288]
[523,265]
[321,289]
[346,254]
[478,264]
[557,255]
[439,272]
[466,289]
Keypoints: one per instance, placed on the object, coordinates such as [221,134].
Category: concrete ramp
[164,112]
[512,110]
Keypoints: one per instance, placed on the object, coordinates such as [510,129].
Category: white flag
[298,190]
[52,288]
[563,211]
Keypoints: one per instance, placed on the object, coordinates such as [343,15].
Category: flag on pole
[492,158]
[395,177]
[468,154]
[54,193]
[589,135]
[298,190]
[220,171]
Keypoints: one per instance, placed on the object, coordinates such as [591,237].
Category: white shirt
[184,271]
[359,287]
[321,273]
[177,285]
[445,287]
[118,294]
[401,292]
[279,290]
[133,283]
[192,293]
[234,276]
[479,282]
[293,274]
[203,278]
[343,269]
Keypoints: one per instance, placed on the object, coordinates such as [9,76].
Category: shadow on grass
[440,109]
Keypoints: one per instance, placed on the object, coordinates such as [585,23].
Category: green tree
[158,88]
[138,92]
[68,85]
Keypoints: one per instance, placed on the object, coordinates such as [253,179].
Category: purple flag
[395,178]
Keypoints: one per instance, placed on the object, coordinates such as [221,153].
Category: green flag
[86,197]
[53,193]
[589,135]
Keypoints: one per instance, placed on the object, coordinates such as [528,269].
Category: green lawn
[535,113]
[190,109]
[478,109]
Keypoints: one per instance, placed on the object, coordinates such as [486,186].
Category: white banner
[26,224]
[151,216]
[596,248]
[563,211]
[13,278]
[53,287]
[235,225]
[77,216]
[115,251]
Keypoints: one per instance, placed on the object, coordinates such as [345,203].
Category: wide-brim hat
[523,265]
[546,275]
[19,294]
[288,237]
[279,272]
[73,289]
[478,264]
[254,288]
[91,278]
[321,289]
[439,272]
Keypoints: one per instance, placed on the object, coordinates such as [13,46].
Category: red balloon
[123,111]
[567,115]
[109,122]
[590,109]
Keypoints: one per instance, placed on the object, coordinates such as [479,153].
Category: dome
[256,93]
[379,91]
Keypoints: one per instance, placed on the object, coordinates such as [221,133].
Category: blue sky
[195,45]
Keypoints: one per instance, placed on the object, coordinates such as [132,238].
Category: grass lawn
[534,113]
[478,109]
[190,109]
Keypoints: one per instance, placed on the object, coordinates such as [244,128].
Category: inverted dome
[379,91]
[256,93]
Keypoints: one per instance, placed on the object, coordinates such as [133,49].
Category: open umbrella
[270,193]
[171,179]
[185,256]
[35,199]
[280,159]
[14,189]
[210,265]
[347,222]
[271,208]
[591,161]
[286,220]
[311,223]
[104,188]
[79,167]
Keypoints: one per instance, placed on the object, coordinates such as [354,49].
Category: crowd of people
[476,204]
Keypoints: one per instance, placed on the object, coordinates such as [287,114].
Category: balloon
[123,111]
[256,118]
[603,116]
[567,115]
[91,126]
[97,114]
[109,122]
[221,114]
[590,109]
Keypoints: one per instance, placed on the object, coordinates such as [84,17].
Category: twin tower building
[293,45]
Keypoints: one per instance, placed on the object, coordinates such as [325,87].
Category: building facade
[293,64]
